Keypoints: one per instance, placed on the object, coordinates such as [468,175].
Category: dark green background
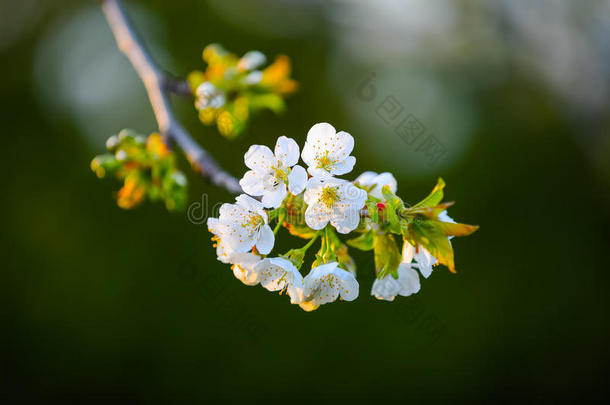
[101,303]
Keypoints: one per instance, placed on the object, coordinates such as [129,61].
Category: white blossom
[244,267]
[327,152]
[444,217]
[424,259]
[251,60]
[221,232]
[326,283]
[253,77]
[334,200]
[388,287]
[272,175]
[279,274]
[247,226]
[208,96]
[368,179]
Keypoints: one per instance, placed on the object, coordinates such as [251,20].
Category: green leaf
[451,229]
[393,220]
[105,164]
[429,234]
[270,100]
[364,241]
[430,212]
[435,197]
[387,256]
[371,206]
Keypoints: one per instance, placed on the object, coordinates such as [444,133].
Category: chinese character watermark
[405,125]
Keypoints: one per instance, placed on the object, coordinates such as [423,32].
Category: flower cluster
[147,168]
[315,203]
[232,88]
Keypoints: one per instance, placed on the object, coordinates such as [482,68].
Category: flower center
[329,279]
[329,196]
[325,162]
[280,175]
[253,221]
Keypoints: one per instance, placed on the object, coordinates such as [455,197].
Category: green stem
[280,221]
[311,241]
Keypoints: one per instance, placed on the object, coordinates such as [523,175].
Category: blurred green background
[101,303]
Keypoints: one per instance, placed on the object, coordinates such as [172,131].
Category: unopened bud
[251,60]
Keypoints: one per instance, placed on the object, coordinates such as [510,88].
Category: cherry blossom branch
[159,85]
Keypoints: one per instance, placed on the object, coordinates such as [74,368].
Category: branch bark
[159,85]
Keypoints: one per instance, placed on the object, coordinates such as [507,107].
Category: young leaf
[364,241]
[435,197]
[387,256]
[451,229]
[373,210]
[429,234]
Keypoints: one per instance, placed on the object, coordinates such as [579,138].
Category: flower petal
[342,145]
[408,252]
[273,273]
[266,240]
[252,183]
[313,188]
[259,158]
[316,216]
[351,196]
[297,179]
[366,179]
[318,172]
[425,261]
[274,198]
[278,273]
[287,151]
[296,293]
[344,221]
[243,267]
[408,280]
[248,202]
[386,288]
[349,285]
[343,167]
[314,146]
[386,179]
[238,242]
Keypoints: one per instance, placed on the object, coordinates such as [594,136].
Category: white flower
[326,283]
[444,217]
[368,179]
[334,200]
[272,174]
[209,96]
[247,226]
[278,274]
[254,77]
[220,231]
[388,287]
[251,60]
[327,152]
[424,259]
[244,267]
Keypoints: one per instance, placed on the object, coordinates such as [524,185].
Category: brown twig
[158,86]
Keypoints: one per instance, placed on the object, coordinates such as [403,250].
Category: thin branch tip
[159,85]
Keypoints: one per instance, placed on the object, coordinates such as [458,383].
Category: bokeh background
[101,303]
